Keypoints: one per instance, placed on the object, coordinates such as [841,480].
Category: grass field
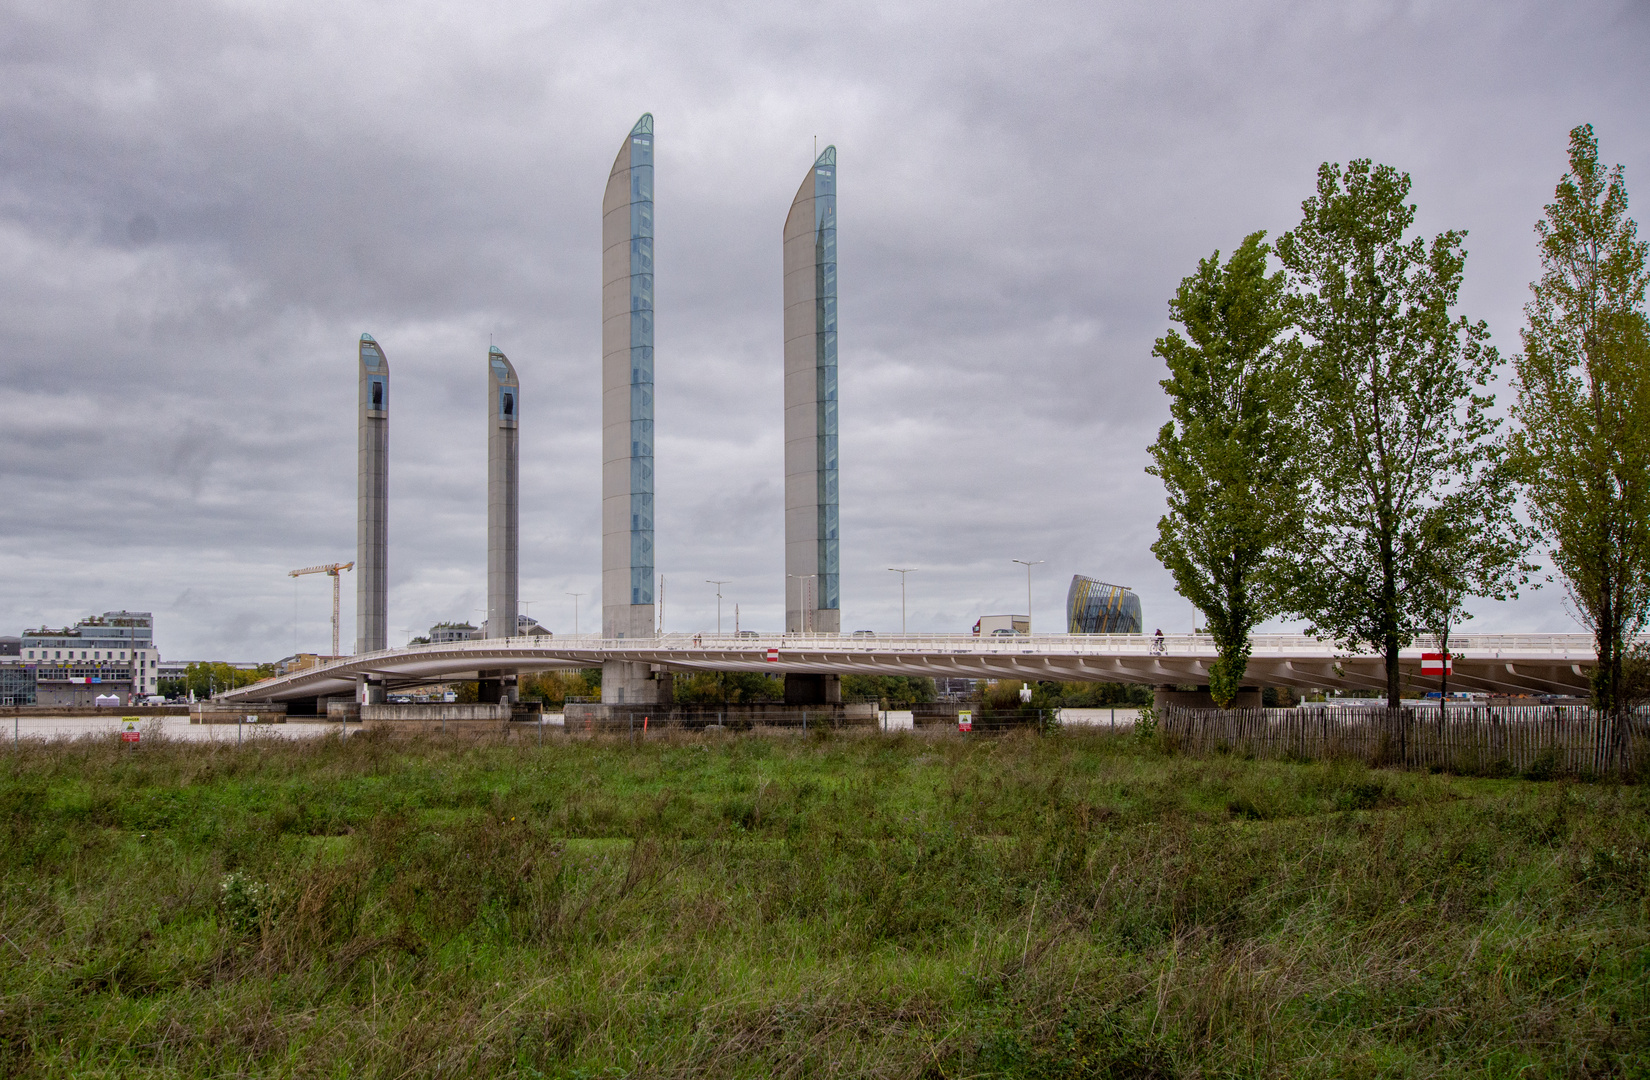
[1072,905]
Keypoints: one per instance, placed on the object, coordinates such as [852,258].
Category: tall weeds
[885,905]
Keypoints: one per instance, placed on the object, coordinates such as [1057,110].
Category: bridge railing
[1130,644]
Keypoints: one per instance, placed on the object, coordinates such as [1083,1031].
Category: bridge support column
[627,683]
[368,690]
[496,687]
[812,689]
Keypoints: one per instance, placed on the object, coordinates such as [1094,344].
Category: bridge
[1493,663]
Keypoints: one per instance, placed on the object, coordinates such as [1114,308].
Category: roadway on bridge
[1495,663]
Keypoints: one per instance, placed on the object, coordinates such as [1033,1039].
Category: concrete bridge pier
[369,690]
[625,682]
[497,687]
[812,689]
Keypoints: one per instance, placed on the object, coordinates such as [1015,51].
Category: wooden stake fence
[1504,740]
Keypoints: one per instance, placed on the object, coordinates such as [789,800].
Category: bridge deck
[1498,663]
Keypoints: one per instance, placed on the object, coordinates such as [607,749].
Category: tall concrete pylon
[503,516]
[813,555]
[372,498]
[812,535]
[627,415]
[503,495]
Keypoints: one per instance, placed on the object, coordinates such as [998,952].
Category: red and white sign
[773,656]
[1436,663]
[965,720]
[129,729]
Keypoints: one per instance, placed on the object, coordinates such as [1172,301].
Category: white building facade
[112,653]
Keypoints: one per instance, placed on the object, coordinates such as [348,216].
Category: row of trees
[1004,695]
[1334,453]
[206,679]
[720,688]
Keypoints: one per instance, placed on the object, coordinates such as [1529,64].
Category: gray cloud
[202,206]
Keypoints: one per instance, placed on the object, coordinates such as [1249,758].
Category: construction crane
[331,570]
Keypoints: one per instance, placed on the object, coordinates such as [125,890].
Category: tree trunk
[1607,690]
[1394,681]
[1443,678]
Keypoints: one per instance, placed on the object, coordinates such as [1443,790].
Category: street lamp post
[575,596]
[1028,566]
[901,573]
[718,584]
[804,591]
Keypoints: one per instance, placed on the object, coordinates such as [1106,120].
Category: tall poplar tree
[1230,455]
[1392,405]
[1471,544]
[1584,407]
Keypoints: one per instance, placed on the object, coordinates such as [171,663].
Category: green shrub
[247,904]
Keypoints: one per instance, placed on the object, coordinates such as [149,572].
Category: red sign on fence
[129,729]
[1436,663]
[773,656]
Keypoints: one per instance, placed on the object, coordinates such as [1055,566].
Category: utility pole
[575,596]
[718,584]
[901,573]
[1028,566]
[805,595]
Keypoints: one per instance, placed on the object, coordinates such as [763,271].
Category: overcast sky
[204,205]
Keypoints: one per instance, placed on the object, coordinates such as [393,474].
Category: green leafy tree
[555,687]
[1230,455]
[898,691]
[1584,409]
[215,677]
[1088,695]
[1003,696]
[1471,545]
[1391,403]
[727,688]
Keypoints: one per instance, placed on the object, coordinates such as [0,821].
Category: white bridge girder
[1498,663]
